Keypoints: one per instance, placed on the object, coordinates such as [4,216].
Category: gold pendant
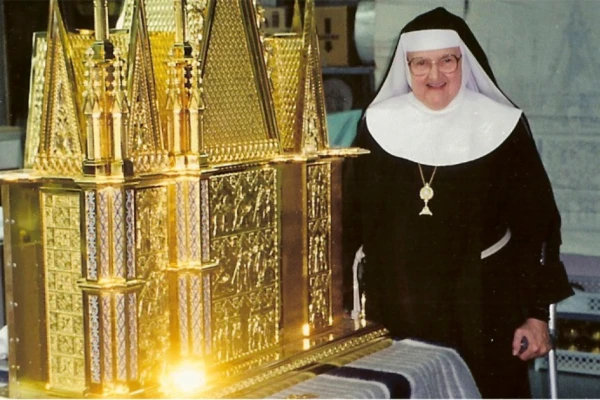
[426,194]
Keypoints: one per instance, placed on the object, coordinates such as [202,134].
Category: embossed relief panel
[62,255]
[319,237]
[151,262]
[245,286]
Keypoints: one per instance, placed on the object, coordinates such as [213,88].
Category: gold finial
[101,20]
[179,21]
[297,18]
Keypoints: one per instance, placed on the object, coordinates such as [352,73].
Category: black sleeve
[351,216]
[535,224]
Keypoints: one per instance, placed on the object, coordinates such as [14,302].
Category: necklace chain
[423,177]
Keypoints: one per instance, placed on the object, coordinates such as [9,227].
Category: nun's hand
[537,342]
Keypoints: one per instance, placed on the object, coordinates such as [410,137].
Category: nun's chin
[436,98]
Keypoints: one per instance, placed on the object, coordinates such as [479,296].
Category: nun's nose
[434,72]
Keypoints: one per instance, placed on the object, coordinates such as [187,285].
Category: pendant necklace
[426,192]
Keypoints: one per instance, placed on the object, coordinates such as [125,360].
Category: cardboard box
[276,20]
[332,28]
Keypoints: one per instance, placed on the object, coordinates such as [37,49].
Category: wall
[544,54]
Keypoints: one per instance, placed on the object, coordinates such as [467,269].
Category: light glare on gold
[185,378]
[305,344]
[306,330]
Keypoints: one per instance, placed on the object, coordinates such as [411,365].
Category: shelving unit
[347,88]
[578,320]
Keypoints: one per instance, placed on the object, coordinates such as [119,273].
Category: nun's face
[431,82]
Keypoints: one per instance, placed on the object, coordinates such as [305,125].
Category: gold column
[189,267]
[110,289]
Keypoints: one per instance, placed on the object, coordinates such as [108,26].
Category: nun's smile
[435,76]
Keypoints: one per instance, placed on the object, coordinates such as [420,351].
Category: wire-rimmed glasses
[446,64]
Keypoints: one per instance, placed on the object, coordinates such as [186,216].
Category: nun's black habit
[424,276]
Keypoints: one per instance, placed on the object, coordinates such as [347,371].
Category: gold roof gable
[239,119]
[145,143]
[60,150]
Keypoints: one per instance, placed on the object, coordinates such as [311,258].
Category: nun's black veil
[440,18]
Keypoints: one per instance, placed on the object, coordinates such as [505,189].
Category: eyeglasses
[422,66]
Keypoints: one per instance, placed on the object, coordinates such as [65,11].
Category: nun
[454,210]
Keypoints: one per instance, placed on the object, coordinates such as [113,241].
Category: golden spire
[103,48]
[297,18]
[184,98]
[105,104]
[311,99]
[144,145]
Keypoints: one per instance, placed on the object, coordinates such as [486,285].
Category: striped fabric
[406,369]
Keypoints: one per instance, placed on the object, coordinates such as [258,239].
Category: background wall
[545,56]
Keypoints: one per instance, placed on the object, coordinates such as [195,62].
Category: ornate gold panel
[245,286]
[64,312]
[235,124]
[319,236]
[286,53]
[159,12]
[107,247]
[145,144]
[187,226]
[160,17]
[36,96]
[190,315]
[61,150]
[162,43]
[151,262]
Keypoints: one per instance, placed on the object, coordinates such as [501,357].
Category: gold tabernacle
[177,228]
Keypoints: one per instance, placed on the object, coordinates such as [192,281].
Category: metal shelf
[578,316]
[357,70]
